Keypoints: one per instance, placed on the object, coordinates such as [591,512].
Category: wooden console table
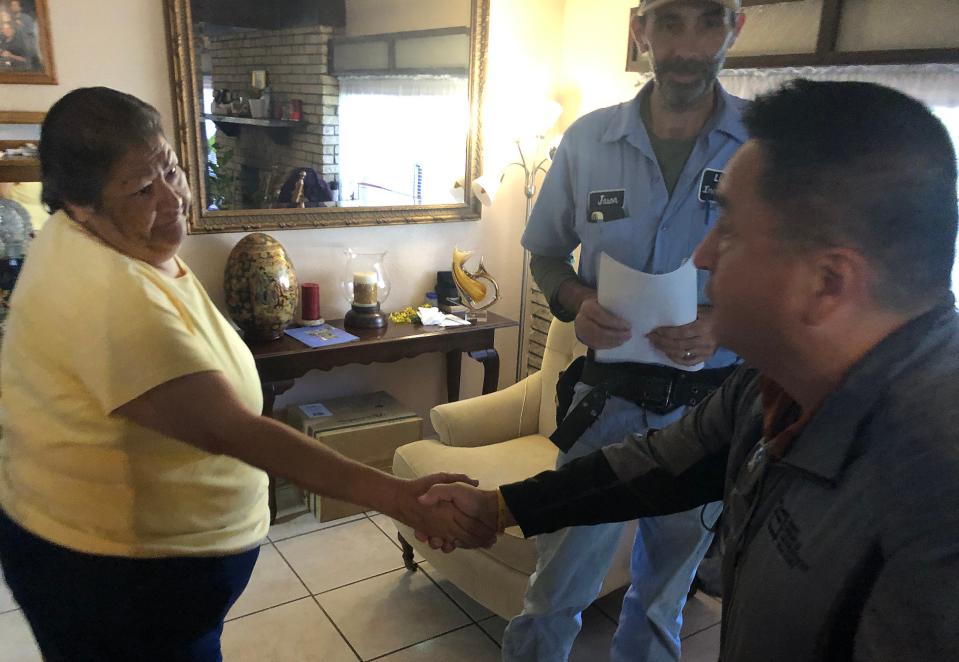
[280,362]
[19,169]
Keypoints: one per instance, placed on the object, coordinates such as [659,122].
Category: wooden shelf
[19,169]
[277,130]
[249,121]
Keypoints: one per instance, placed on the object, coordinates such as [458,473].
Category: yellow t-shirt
[89,330]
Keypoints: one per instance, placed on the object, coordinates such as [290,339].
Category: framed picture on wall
[26,52]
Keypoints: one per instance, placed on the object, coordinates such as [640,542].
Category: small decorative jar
[260,286]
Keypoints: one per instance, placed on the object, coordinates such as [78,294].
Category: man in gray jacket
[835,448]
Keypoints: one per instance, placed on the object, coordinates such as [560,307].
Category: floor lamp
[485,187]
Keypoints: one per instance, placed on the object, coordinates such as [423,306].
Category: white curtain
[934,84]
[403,86]
[402,138]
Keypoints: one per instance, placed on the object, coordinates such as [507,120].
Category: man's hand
[597,328]
[688,344]
[439,519]
[481,505]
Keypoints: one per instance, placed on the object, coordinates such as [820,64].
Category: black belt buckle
[661,405]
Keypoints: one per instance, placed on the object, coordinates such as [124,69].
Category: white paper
[436,317]
[646,301]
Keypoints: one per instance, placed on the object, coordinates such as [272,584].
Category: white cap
[649,5]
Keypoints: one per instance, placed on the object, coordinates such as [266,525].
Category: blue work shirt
[609,150]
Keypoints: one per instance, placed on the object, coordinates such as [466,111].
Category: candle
[364,288]
[310,301]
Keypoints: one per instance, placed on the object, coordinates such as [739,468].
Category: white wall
[593,56]
[123,45]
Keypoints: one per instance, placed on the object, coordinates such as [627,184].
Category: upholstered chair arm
[491,418]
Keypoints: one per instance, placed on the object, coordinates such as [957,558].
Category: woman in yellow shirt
[132,488]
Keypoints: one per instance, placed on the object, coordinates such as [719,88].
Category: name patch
[606,206]
[708,184]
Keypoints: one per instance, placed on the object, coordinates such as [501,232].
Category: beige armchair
[498,438]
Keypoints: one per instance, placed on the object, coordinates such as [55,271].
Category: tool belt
[656,388]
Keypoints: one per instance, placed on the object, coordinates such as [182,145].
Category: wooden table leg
[453,371]
[270,391]
[490,360]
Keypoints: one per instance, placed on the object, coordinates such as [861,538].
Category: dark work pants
[84,607]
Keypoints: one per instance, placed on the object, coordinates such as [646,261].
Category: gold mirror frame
[186,111]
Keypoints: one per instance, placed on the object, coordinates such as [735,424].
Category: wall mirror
[328,113]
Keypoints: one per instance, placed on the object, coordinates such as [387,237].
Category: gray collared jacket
[848,547]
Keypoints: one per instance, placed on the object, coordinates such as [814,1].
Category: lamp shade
[551,111]
[534,119]
[484,188]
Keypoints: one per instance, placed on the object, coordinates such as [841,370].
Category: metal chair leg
[407,553]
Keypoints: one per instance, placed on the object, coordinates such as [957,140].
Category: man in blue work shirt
[634,181]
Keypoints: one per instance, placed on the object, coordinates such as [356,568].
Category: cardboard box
[366,428]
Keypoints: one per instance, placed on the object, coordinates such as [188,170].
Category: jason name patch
[606,206]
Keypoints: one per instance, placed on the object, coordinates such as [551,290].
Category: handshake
[450,511]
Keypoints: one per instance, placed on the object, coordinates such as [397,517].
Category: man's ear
[838,277]
[637,30]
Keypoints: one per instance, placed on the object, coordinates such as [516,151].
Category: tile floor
[338,592]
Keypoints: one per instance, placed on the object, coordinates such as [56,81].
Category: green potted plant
[220,177]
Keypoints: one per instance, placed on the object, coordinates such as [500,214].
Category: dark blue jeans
[101,608]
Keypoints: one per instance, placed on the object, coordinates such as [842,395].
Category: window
[424,119]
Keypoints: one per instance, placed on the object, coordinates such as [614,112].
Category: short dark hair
[863,166]
[83,135]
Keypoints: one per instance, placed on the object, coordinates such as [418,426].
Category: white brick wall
[296,60]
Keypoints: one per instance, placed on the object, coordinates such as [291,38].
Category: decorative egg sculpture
[260,286]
